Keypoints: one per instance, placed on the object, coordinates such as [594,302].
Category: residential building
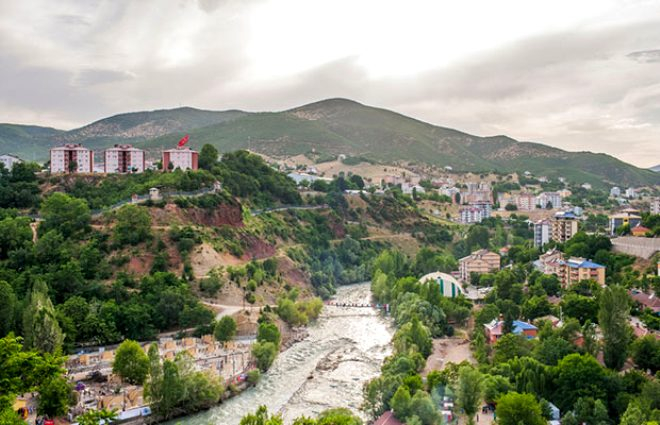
[615,192]
[576,269]
[410,188]
[644,300]
[449,286]
[469,215]
[485,207]
[183,158]
[494,330]
[482,261]
[542,232]
[526,201]
[631,193]
[564,226]
[8,160]
[548,262]
[552,198]
[388,418]
[628,217]
[564,193]
[124,159]
[639,231]
[586,186]
[505,199]
[655,206]
[71,158]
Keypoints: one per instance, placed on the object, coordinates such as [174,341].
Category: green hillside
[26,141]
[340,126]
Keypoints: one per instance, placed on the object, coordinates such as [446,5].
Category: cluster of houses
[75,158]
[93,370]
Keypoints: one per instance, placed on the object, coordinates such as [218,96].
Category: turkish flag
[184,140]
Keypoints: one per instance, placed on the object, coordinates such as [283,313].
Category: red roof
[388,418]
[647,300]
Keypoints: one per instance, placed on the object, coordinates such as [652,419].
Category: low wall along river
[344,349]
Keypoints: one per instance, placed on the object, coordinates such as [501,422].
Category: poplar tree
[613,315]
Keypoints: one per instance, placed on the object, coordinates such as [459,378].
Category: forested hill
[339,126]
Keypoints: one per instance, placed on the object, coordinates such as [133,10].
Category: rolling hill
[341,126]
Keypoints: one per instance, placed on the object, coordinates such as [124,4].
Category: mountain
[340,126]
[27,141]
[656,168]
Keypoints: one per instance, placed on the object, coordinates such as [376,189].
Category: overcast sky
[576,74]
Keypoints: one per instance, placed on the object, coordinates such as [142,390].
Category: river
[344,349]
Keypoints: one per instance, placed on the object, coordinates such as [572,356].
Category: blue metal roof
[519,326]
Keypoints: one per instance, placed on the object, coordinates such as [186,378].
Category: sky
[578,75]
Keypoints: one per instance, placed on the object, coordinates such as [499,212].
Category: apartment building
[628,217]
[526,202]
[71,158]
[8,160]
[468,215]
[552,198]
[183,158]
[564,226]
[542,232]
[482,261]
[124,159]
[575,269]
[655,206]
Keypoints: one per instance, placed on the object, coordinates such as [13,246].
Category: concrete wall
[639,247]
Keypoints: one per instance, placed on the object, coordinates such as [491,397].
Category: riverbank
[344,349]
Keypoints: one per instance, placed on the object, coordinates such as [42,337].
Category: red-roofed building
[650,301]
[639,230]
[388,418]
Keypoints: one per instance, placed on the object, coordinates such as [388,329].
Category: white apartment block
[8,160]
[183,158]
[71,158]
[124,159]
[549,197]
[655,206]
[470,215]
[542,232]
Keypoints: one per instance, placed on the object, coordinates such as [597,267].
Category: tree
[40,326]
[400,403]
[515,408]
[94,417]
[131,363]
[225,329]
[268,332]
[578,376]
[634,415]
[613,315]
[208,157]
[8,311]
[646,353]
[510,346]
[55,397]
[264,354]
[423,408]
[70,216]
[133,225]
[261,417]
[469,391]
[14,233]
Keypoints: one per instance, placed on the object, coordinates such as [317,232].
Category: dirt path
[448,350]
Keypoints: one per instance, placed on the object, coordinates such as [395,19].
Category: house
[8,160]
[124,159]
[71,158]
[546,262]
[388,418]
[183,158]
[639,230]
[482,261]
[631,193]
[494,330]
[564,226]
[586,186]
[644,300]
[615,192]
[449,286]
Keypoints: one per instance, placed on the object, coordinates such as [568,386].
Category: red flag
[183,141]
